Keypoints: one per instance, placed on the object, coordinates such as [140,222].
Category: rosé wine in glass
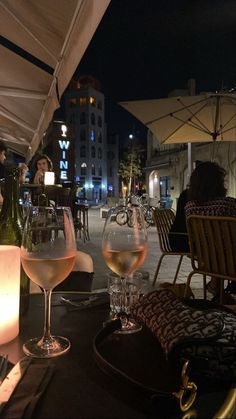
[48,253]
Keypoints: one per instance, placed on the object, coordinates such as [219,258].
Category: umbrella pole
[190,161]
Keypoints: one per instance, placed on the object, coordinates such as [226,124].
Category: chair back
[164,218]
[59,195]
[212,242]
[64,197]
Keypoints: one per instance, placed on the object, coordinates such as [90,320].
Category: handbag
[119,356]
[197,330]
[143,376]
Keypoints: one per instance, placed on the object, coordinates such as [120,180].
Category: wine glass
[48,254]
[124,248]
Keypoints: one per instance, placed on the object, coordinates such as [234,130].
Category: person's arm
[1,189]
[22,172]
[38,177]
[179,224]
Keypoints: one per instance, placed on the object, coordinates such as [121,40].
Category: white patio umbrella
[41,45]
[188,119]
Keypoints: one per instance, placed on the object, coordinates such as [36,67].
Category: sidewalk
[169,264]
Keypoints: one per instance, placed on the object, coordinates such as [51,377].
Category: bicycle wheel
[148,217]
[130,218]
[121,217]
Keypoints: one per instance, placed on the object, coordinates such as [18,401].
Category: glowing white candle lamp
[49,178]
[9,292]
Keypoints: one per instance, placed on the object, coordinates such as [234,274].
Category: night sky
[143,49]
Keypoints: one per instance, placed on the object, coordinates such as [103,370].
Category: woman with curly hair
[207,192]
[206,195]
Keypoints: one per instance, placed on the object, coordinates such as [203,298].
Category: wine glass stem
[123,293]
[47,316]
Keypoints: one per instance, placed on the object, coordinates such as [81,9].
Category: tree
[130,168]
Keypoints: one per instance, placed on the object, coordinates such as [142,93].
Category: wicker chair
[212,242]
[164,218]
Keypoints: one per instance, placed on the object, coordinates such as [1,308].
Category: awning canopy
[187,119]
[42,43]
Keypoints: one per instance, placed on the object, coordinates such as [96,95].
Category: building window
[82,118]
[110,155]
[165,186]
[110,171]
[100,153]
[92,101]
[92,135]
[99,121]
[83,135]
[82,101]
[83,169]
[100,171]
[83,151]
[100,137]
[72,118]
[76,149]
[92,119]
[93,170]
[93,152]
[99,104]
[72,102]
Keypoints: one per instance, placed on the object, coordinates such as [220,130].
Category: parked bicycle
[147,212]
[144,202]
[125,214]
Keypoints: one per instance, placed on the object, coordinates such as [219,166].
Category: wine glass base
[129,327]
[37,348]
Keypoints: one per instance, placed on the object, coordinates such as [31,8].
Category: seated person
[81,277]
[207,192]
[3,151]
[206,196]
[42,164]
[178,237]
[22,170]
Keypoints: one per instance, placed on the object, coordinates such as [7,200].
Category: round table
[79,388]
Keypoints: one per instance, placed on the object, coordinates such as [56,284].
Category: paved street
[168,267]
[93,247]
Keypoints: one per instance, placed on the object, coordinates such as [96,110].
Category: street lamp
[131,137]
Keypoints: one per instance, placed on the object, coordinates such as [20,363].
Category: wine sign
[64,146]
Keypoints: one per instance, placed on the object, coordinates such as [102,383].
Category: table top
[79,388]
[35,185]
[77,381]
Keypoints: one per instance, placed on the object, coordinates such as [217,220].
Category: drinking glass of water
[124,248]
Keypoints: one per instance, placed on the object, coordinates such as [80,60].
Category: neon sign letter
[64,146]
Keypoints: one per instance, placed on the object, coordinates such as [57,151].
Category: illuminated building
[79,147]
[84,105]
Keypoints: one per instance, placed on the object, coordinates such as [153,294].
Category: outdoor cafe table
[79,388]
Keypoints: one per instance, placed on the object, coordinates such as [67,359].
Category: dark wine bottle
[11,227]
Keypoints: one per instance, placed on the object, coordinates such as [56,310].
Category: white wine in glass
[48,254]
[124,249]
